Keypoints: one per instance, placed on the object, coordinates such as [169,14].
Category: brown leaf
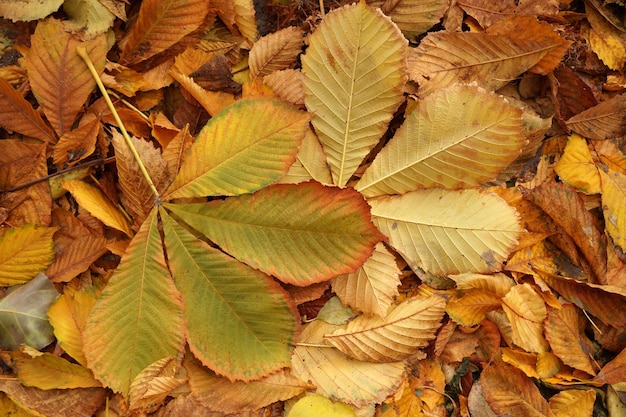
[274,52]
[604,121]
[488,12]
[606,302]
[508,391]
[563,332]
[614,371]
[220,394]
[58,76]
[137,196]
[571,95]
[21,163]
[176,150]
[79,402]
[528,28]
[76,257]
[18,115]
[77,144]
[161,24]
[567,210]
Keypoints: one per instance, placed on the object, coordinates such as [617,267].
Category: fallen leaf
[24,252]
[573,403]
[274,52]
[526,311]
[576,167]
[603,121]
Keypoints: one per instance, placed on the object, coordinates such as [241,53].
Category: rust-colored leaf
[18,115]
[59,77]
[161,24]
[78,144]
[604,121]
[568,210]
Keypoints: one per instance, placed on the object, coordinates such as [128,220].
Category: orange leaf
[573,403]
[76,257]
[563,331]
[58,76]
[508,391]
[604,121]
[18,115]
[161,24]
[614,371]
[77,144]
[528,28]
[470,309]
[567,210]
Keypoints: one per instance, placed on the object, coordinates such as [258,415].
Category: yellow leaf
[609,48]
[95,202]
[319,406]
[372,287]
[573,403]
[526,311]
[413,17]
[310,163]
[274,52]
[338,376]
[562,329]
[498,284]
[408,327]
[68,317]
[614,206]
[470,309]
[548,364]
[576,166]
[524,361]
[354,74]
[48,371]
[24,252]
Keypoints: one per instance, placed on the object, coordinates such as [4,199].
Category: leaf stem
[82,52]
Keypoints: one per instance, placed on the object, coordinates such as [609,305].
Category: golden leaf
[274,52]
[573,403]
[470,309]
[526,311]
[576,166]
[24,252]
[614,205]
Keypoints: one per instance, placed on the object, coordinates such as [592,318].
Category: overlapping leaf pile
[454,198]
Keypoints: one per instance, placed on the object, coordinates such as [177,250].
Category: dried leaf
[526,311]
[24,252]
[220,394]
[508,391]
[161,24]
[567,210]
[528,28]
[614,371]
[175,152]
[77,144]
[68,316]
[76,258]
[487,12]
[563,331]
[245,19]
[354,71]
[59,78]
[28,9]
[137,195]
[47,371]
[614,205]
[274,52]
[448,232]
[413,17]
[604,121]
[94,201]
[573,403]
[287,84]
[372,288]
[470,309]
[430,150]
[310,163]
[88,18]
[320,406]
[17,114]
[339,377]
[406,328]
[212,101]
[606,40]
[445,58]
[498,284]
[154,383]
[577,168]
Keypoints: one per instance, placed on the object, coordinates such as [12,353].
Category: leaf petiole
[82,52]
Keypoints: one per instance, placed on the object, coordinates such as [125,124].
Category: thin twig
[82,52]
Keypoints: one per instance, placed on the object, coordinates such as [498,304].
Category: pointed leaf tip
[300,233]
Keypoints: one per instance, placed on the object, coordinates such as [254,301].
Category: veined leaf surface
[302,234]
[458,137]
[247,146]
[239,321]
[138,319]
[448,232]
[408,327]
[354,73]
[24,252]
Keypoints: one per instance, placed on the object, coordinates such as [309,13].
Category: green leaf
[23,316]
[448,232]
[240,322]
[245,147]
[137,320]
[302,233]
[457,137]
[354,74]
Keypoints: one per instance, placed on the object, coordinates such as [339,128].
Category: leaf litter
[452,172]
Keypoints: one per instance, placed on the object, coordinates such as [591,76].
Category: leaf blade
[354,72]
